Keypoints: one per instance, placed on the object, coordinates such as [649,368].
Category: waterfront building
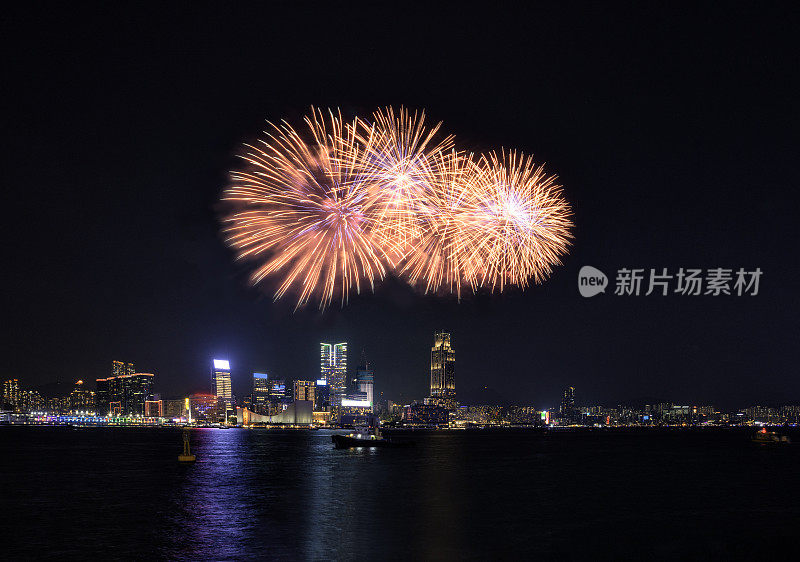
[11,394]
[58,405]
[425,415]
[81,399]
[523,415]
[483,414]
[259,399]
[333,370]
[364,381]
[174,408]
[568,400]
[763,414]
[154,409]
[124,394]
[31,401]
[299,412]
[567,409]
[277,391]
[221,383]
[443,370]
[204,407]
[305,390]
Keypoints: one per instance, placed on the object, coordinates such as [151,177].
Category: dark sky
[673,132]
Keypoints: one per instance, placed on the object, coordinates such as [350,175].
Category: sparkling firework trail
[401,163]
[522,218]
[441,253]
[305,210]
[341,204]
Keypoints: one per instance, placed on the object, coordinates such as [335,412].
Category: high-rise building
[124,394]
[30,401]
[221,382]
[11,394]
[277,390]
[260,397]
[443,370]
[174,408]
[305,390]
[568,400]
[119,368]
[81,399]
[567,409]
[333,370]
[203,407]
[363,382]
[154,409]
[322,397]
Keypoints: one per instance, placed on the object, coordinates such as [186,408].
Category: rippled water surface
[121,494]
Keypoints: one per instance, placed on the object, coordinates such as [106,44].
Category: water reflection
[261,494]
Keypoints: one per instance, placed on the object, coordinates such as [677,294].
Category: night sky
[674,134]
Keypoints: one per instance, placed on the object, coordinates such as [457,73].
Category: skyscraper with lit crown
[443,370]
[221,382]
[567,409]
[260,395]
[333,370]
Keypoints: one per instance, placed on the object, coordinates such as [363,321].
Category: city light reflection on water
[120,493]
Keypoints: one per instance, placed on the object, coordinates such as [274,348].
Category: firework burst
[304,209]
[401,162]
[519,219]
[336,207]
[441,251]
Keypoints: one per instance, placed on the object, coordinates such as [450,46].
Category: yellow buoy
[187,455]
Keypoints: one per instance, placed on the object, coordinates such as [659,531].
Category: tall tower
[568,403]
[333,370]
[443,369]
[221,382]
[260,396]
[364,381]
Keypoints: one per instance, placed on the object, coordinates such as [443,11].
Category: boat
[362,437]
[765,437]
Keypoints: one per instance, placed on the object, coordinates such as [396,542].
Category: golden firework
[306,211]
[340,204]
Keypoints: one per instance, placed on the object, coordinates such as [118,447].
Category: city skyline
[657,157]
[337,281]
[261,387]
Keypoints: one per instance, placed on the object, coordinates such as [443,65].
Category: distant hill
[481,396]
[55,389]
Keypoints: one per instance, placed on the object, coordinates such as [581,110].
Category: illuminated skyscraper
[81,399]
[443,370]
[11,394]
[364,381]
[124,394]
[119,368]
[260,396]
[277,390]
[568,404]
[333,370]
[221,382]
